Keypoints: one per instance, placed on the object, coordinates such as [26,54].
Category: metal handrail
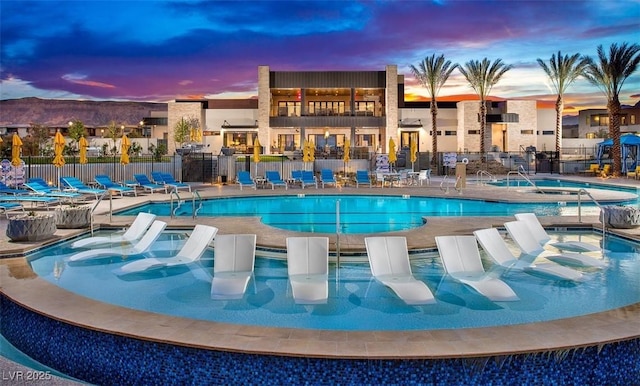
[480,173]
[95,206]
[195,210]
[524,177]
[180,202]
[442,183]
[584,191]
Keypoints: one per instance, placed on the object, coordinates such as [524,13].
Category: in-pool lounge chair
[461,261]
[498,250]
[142,246]
[244,179]
[362,178]
[521,235]
[105,182]
[274,179]
[145,183]
[74,184]
[167,179]
[191,251]
[543,237]
[327,178]
[137,229]
[308,269]
[233,263]
[389,261]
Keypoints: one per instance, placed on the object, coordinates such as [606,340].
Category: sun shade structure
[308,268]
[233,264]
[389,261]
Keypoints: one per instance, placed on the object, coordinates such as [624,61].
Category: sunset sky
[158,51]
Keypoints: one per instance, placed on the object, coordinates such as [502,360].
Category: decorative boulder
[31,227]
[623,217]
[73,217]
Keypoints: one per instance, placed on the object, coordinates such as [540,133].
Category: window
[548,132]
[526,132]
[289,109]
[439,132]
[600,120]
[365,108]
[288,142]
[325,108]
[449,132]
[473,132]
[632,119]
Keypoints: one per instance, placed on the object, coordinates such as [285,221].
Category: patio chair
[274,179]
[498,250]
[146,184]
[308,269]
[389,261]
[635,174]
[244,179]
[233,263]
[461,261]
[75,185]
[327,178]
[136,230]
[362,178]
[105,182]
[191,251]
[142,246]
[424,175]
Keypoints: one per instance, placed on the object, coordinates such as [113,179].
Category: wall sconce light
[326,134]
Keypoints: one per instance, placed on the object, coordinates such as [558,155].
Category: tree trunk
[483,129]
[559,108]
[613,106]
[434,135]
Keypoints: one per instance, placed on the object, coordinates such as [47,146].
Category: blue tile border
[103,358]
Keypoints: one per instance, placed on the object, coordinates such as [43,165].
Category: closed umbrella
[413,149]
[347,149]
[83,150]
[124,148]
[392,152]
[16,146]
[256,152]
[58,148]
[306,155]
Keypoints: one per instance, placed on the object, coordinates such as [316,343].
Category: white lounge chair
[137,229]
[191,251]
[498,250]
[233,265]
[389,261]
[461,260]
[140,247]
[543,237]
[308,268]
[521,235]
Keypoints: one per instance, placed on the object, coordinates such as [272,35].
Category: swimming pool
[356,302]
[358,213]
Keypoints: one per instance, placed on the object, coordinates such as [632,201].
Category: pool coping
[22,286]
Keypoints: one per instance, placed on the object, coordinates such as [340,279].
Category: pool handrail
[194,210]
[582,191]
[521,174]
[480,173]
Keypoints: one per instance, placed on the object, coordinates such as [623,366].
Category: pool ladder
[521,173]
[582,191]
[456,185]
[481,173]
[195,197]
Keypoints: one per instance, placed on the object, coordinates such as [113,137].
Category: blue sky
[147,50]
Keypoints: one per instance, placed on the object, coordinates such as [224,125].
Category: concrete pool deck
[21,285]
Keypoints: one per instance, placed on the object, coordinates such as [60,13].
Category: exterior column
[391,96]
[264,107]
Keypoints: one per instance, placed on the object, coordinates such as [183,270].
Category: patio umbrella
[16,146]
[58,159]
[83,150]
[256,152]
[306,155]
[392,152]
[413,149]
[124,156]
[347,149]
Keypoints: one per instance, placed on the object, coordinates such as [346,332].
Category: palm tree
[609,74]
[482,76]
[562,71]
[433,73]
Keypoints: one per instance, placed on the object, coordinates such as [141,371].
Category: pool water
[356,302]
[358,214]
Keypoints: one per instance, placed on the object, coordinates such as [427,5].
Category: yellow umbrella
[392,151]
[16,145]
[124,148]
[413,149]
[83,150]
[58,147]
[305,152]
[347,149]
[256,150]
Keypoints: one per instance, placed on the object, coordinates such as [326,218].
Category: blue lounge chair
[327,178]
[244,179]
[308,179]
[146,184]
[167,179]
[105,182]
[75,185]
[274,179]
[4,189]
[296,177]
[362,178]
[7,207]
[45,190]
[33,199]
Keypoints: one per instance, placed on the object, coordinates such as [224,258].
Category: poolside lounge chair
[296,177]
[274,179]
[77,186]
[327,178]
[4,189]
[521,235]
[308,268]
[191,251]
[635,174]
[389,261]
[143,245]
[137,229]
[498,250]
[244,179]
[45,190]
[461,261]
[37,199]
[167,179]
[543,237]
[606,171]
[7,207]
[105,182]
[362,178]
[307,178]
[233,263]
[146,184]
